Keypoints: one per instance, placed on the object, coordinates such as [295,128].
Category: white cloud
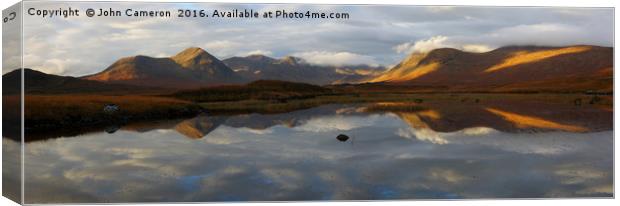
[228,48]
[545,143]
[422,46]
[478,131]
[436,42]
[220,45]
[423,134]
[259,52]
[478,48]
[337,123]
[405,48]
[59,66]
[335,58]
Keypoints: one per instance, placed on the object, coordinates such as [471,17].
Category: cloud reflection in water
[297,157]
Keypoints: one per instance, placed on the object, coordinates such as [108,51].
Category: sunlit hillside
[524,57]
[507,69]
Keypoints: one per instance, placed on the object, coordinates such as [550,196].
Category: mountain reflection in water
[396,151]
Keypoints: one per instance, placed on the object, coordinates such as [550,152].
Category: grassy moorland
[53,111]
[279,96]
[269,106]
[45,111]
[269,96]
[258,90]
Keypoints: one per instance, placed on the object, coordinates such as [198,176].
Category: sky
[374,34]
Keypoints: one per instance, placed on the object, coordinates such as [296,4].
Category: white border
[569,3]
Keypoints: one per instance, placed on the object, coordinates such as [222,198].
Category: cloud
[478,48]
[436,42]
[544,144]
[448,175]
[379,34]
[478,131]
[554,34]
[422,46]
[259,52]
[335,58]
[405,48]
[220,45]
[59,66]
[292,164]
[422,134]
[337,123]
[222,48]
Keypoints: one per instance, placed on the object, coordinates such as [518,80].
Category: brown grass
[74,110]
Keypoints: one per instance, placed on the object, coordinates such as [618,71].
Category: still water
[394,152]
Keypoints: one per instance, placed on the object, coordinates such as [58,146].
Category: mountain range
[513,68]
[506,69]
[191,68]
[195,67]
[294,69]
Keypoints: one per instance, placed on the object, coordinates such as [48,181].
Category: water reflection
[523,121]
[394,152]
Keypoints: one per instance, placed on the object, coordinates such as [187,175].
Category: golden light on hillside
[418,72]
[524,121]
[404,68]
[523,57]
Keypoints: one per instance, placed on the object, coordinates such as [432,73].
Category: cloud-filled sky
[375,34]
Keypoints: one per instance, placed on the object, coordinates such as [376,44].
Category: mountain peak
[194,56]
[193,52]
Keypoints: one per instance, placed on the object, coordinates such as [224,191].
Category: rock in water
[112,129]
[110,108]
[342,137]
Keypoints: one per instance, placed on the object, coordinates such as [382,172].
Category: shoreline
[52,113]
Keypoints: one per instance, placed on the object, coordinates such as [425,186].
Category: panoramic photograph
[314,103]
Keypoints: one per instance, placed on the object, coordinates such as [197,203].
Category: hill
[190,68]
[508,69]
[36,82]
